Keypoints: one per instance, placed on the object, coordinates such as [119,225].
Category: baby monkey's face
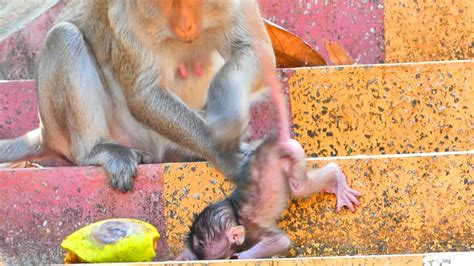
[215,233]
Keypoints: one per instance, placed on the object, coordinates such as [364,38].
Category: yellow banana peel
[114,240]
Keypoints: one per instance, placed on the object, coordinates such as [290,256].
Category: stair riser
[372,31]
[429,259]
[339,111]
[18,108]
[18,51]
[355,25]
[418,31]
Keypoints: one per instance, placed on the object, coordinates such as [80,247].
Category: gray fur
[26,146]
[108,90]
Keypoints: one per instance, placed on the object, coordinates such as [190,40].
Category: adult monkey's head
[185,20]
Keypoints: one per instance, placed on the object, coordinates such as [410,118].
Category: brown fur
[245,225]
[259,202]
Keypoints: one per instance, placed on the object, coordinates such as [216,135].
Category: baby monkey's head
[215,232]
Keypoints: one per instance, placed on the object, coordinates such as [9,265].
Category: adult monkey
[121,82]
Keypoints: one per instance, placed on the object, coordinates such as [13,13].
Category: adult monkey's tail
[28,146]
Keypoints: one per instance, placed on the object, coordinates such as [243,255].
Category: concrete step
[427,259]
[411,204]
[383,109]
[23,27]
[39,207]
[339,111]
[417,31]
[15,14]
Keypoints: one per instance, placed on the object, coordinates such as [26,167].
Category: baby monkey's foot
[345,195]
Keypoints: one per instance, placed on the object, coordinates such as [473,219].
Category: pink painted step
[39,207]
[18,108]
[357,25]
[18,50]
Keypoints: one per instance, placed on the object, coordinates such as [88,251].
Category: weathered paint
[40,207]
[188,188]
[18,108]
[428,30]
[18,50]
[428,259]
[358,25]
[410,204]
[414,30]
[384,109]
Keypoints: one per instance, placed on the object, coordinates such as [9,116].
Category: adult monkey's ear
[187,254]
[236,235]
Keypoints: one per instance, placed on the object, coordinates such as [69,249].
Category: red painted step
[39,207]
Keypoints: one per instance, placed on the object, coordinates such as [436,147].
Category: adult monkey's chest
[190,79]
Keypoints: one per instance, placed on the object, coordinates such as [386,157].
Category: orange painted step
[383,109]
[417,31]
[412,203]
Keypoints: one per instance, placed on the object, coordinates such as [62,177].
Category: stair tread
[385,108]
[399,214]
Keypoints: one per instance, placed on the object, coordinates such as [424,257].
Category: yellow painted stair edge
[428,259]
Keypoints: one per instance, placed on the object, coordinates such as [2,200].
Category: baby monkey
[244,225]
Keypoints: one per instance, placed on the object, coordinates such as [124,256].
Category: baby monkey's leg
[329,178]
